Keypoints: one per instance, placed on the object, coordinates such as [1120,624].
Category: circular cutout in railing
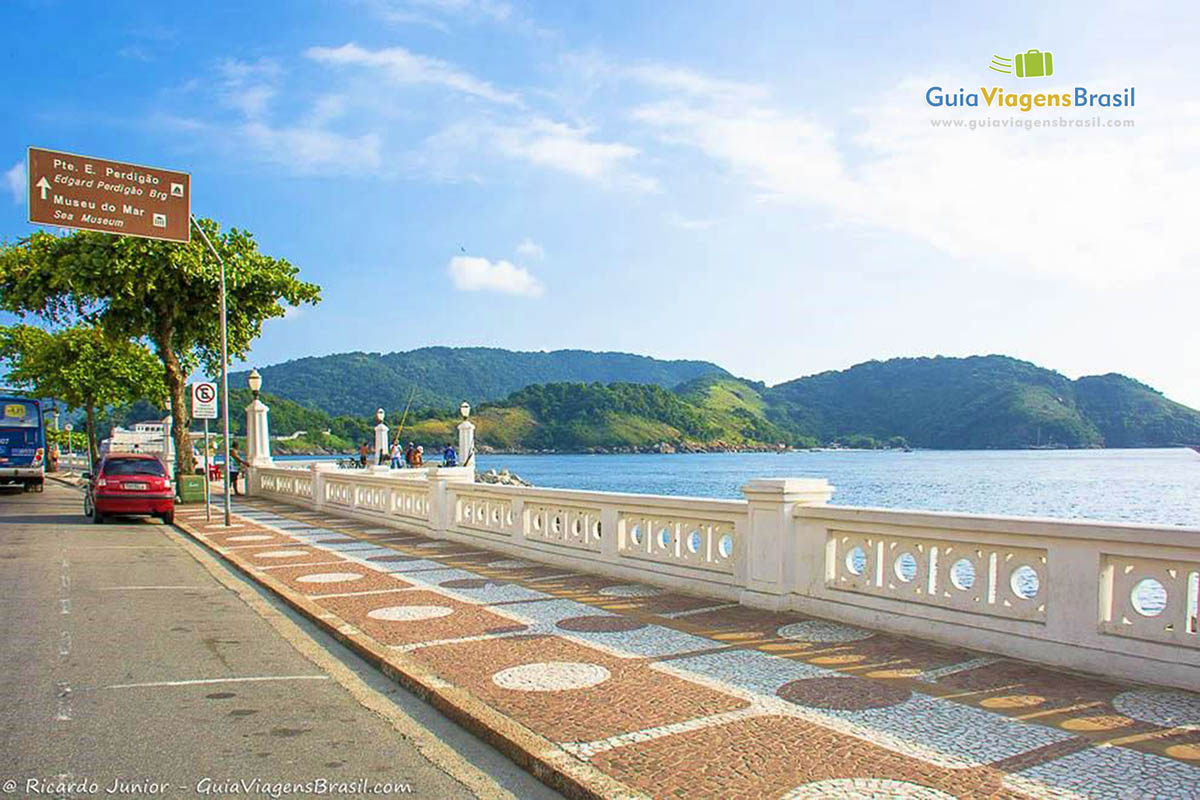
[693,541]
[1024,582]
[905,567]
[664,537]
[597,529]
[856,561]
[1149,597]
[635,533]
[725,546]
[962,574]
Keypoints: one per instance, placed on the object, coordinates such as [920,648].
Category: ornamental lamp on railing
[465,409]
[254,382]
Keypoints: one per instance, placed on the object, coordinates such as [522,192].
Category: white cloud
[307,149]
[1102,207]
[570,149]
[249,86]
[531,249]
[405,67]
[472,274]
[16,181]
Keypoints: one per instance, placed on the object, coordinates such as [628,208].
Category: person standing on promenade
[449,456]
[395,453]
[235,461]
[409,453]
[418,457]
[364,453]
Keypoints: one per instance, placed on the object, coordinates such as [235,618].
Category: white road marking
[63,702]
[207,681]
[66,605]
[64,643]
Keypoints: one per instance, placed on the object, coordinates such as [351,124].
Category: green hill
[949,403]
[1131,414]
[358,383]
[976,402]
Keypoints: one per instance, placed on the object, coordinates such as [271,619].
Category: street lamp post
[466,435]
[381,436]
[70,440]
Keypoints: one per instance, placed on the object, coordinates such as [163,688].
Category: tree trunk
[176,385]
[93,448]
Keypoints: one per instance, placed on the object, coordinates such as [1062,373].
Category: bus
[22,443]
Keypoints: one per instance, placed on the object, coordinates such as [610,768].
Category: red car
[129,483]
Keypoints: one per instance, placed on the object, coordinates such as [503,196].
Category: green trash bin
[190,488]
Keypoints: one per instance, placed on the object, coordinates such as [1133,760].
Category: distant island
[583,401]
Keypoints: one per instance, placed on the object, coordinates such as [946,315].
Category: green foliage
[977,402]
[1131,414]
[83,367]
[356,383]
[163,292]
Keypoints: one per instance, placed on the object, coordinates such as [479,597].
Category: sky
[761,185]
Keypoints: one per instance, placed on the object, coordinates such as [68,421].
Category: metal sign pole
[224,375]
[207,472]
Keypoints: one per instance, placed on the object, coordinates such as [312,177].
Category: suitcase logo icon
[1030,64]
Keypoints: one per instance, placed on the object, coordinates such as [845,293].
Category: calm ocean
[1159,486]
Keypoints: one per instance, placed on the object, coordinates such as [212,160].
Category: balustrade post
[318,470]
[610,518]
[768,559]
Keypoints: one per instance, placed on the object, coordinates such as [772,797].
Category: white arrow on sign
[44,185]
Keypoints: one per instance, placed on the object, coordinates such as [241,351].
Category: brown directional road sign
[71,191]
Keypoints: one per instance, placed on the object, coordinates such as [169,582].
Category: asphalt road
[129,654]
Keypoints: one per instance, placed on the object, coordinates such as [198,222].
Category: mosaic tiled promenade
[677,696]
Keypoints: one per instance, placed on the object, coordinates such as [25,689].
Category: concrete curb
[534,753]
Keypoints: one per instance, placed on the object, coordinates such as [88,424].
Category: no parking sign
[204,401]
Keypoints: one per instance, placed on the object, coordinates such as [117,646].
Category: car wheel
[88,508]
[97,517]
[168,518]
[39,487]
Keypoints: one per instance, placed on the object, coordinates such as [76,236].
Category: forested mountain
[358,383]
[977,402]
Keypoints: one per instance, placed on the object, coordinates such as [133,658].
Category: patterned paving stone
[1107,772]
[649,641]
[733,702]
[823,632]
[481,590]
[381,617]
[770,756]
[843,693]
[1166,707]
[632,698]
[336,579]
[277,554]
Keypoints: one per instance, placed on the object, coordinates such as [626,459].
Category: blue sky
[756,184]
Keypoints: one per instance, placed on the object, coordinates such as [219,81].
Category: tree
[83,367]
[163,292]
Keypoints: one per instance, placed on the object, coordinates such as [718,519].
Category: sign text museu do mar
[72,191]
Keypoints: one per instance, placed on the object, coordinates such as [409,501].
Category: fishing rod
[404,416]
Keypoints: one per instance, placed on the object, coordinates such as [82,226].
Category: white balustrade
[682,540]
[1152,599]
[569,526]
[484,511]
[985,579]
[1122,600]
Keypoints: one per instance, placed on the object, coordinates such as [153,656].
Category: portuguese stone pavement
[680,696]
